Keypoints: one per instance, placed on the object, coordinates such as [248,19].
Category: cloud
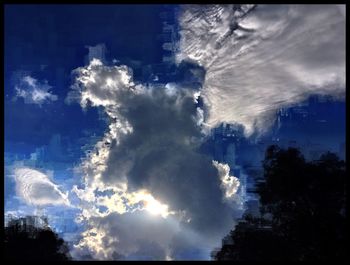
[33,91]
[147,173]
[229,183]
[130,236]
[258,59]
[35,188]
[147,191]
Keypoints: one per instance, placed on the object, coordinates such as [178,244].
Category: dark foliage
[34,245]
[302,212]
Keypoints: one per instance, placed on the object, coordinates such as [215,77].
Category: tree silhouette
[34,244]
[305,202]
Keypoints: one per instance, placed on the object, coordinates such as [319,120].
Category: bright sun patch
[156,208]
[152,205]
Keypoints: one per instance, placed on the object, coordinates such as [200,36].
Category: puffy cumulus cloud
[229,183]
[145,185]
[35,188]
[260,58]
[33,91]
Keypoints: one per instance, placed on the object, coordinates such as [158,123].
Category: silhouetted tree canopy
[36,245]
[302,211]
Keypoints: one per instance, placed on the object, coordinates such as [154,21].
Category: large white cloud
[145,184]
[33,91]
[35,188]
[260,59]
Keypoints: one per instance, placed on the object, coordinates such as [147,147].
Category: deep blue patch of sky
[48,42]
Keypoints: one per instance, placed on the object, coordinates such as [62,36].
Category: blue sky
[159,139]
[49,41]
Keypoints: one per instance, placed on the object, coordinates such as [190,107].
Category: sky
[110,112]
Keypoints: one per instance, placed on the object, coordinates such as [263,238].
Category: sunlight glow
[151,205]
[156,208]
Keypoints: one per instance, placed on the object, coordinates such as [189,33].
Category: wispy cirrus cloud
[35,188]
[260,58]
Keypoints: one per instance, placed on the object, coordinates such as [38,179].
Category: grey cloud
[161,156]
[136,235]
[137,231]
[159,152]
